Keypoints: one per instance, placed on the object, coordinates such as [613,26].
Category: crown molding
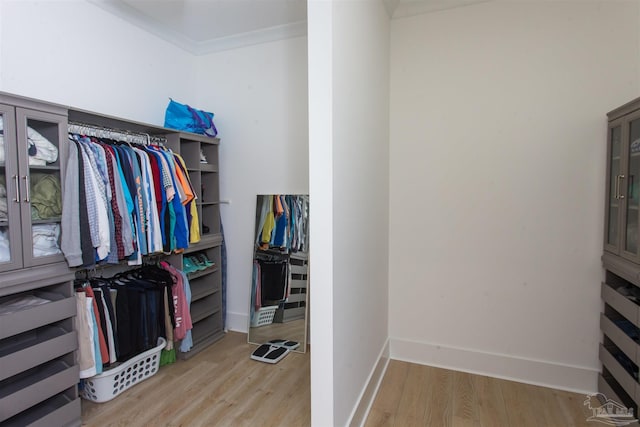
[140,20]
[412,8]
[279,32]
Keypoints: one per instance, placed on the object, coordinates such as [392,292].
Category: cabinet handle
[16,178]
[620,196]
[26,186]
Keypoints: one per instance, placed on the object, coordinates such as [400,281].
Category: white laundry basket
[107,385]
[264,316]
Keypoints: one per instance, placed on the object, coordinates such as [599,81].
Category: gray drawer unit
[38,369]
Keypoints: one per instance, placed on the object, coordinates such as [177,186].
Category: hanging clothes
[282,222]
[125,316]
[124,201]
[274,281]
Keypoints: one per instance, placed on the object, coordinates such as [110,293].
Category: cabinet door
[40,139]
[630,188]
[613,212]
[10,238]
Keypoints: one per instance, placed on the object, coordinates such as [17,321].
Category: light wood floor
[221,386]
[416,395]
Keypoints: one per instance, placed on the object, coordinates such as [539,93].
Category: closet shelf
[202,310]
[197,293]
[207,167]
[197,274]
[44,167]
[46,221]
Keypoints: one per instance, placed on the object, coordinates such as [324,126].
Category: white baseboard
[238,322]
[576,379]
[368,394]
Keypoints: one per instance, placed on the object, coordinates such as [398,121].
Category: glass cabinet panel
[5,251]
[631,194]
[615,136]
[40,136]
[44,186]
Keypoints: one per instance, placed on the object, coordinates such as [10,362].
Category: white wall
[497,181]
[259,97]
[74,53]
[349,110]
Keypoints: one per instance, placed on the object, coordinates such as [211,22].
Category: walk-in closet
[451,156]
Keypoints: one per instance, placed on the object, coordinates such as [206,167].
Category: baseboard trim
[576,379]
[237,322]
[368,394]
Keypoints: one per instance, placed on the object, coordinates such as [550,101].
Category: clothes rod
[104,132]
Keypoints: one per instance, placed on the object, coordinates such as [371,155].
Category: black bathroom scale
[269,353]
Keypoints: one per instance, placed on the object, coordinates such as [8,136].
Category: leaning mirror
[280,279]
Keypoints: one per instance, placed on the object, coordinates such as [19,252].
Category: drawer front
[623,378]
[16,401]
[297,298]
[298,269]
[31,318]
[620,303]
[61,410]
[62,416]
[605,388]
[622,340]
[37,354]
[293,313]
[295,283]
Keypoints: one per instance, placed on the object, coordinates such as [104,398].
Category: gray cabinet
[38,370]
[31,168]
[620,319]
[623,187]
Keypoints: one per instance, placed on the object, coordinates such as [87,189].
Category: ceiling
[204,26]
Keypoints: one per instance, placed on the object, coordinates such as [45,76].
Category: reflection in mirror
[280,284]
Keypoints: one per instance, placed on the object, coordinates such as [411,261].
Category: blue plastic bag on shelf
[183,117]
